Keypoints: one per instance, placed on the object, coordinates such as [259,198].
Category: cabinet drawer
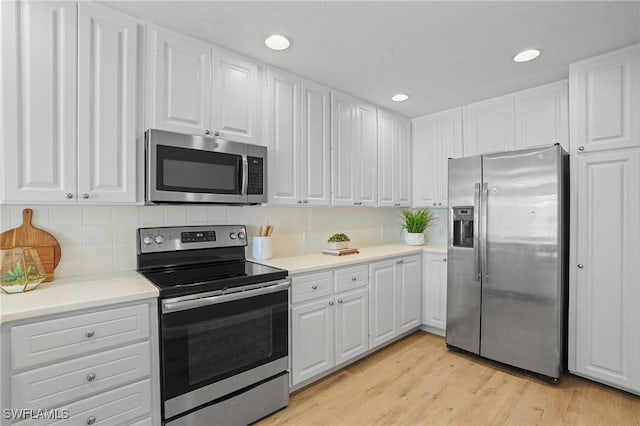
[349,278]
[310,286]
[119,406]
[50,341]
[56,384]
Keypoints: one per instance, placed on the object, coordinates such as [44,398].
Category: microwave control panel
[256,172]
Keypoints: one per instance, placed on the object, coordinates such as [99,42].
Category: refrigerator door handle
[476,235]
[485,226]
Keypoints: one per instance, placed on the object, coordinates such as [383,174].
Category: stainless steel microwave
[184,169]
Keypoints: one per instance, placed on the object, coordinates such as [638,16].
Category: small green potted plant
[339,241]
[416,221]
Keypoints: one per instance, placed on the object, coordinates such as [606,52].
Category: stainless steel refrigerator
[507,251]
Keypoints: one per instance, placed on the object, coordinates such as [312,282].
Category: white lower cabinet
[351,324]
[395,287]
[434,293]
[99,366]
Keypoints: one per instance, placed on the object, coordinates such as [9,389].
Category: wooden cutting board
[26,235]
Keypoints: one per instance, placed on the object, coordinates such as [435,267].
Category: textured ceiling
[443,54]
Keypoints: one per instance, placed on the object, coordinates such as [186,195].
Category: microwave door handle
[245,174]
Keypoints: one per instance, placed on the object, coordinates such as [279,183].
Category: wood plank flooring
[417,381]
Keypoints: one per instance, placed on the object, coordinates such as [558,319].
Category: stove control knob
[147,240]
[232,235]
[159,239]
[241,235]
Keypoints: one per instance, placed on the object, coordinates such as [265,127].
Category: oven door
[194,169]
[213,346]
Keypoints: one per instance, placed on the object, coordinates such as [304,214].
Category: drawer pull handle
[91,420]
[91,377]
[340,301]
[90,333]
[314,287]
[353,278]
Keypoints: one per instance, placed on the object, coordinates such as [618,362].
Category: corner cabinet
[436,138]
[354,152]
[195,88]
[71,106]
[605,101]
[297,132]
[394,160]
[394,296]
[434,293]
[101,365]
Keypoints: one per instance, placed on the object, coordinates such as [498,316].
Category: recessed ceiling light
[526,55]
[277,42]
[400,97]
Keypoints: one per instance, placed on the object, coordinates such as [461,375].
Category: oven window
[227,344]
[191,170]
[207,344]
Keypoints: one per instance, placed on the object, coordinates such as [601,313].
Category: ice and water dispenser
[463,226]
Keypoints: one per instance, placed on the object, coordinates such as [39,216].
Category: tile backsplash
[102,239]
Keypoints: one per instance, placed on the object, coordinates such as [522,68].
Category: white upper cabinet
[178,82]
[39,101]
[282,133]
[394,160]
[315,152]
[354,152]
[605,101]
[297,133]
[107,100]
[235,97]
[489,126]
[436,138]
[542,116]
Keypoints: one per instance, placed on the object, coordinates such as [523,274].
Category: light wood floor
[417,381]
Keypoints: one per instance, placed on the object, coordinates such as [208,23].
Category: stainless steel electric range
[223,325]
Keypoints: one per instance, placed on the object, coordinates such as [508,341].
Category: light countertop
[65,295]
[315,262]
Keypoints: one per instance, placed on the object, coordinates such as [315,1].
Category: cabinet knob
[435,204]
[207,132]
[581,148]
[305,201]
[444,259]
[299,201]
[85,196]
[331,303]
[355,203]
[91,377]
[91,420]
[216,133]
[397,204]
[353,278]
[339,300]
[580,266]
[68,195]
[314,287]
[439,204]
[90,333]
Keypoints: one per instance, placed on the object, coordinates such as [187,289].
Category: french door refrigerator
[507,258]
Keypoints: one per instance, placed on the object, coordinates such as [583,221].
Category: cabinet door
[409,286]
[235,97]
[387,170]
[366,156]
[107,113]
[315,149]
[489,126]
[426,161]
[283,136]
[605,286]
[542,116]
[449,146]
[312,339]
[403,164]
[179,78]
[434,300]
[344,150]
[39,106]
[352,324]
[605,101]
[383,324]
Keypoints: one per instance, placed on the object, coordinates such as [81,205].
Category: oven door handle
[169,307]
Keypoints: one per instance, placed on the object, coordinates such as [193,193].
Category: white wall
[101,239]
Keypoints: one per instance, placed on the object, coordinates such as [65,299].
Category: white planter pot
[414,239]
[339,245]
